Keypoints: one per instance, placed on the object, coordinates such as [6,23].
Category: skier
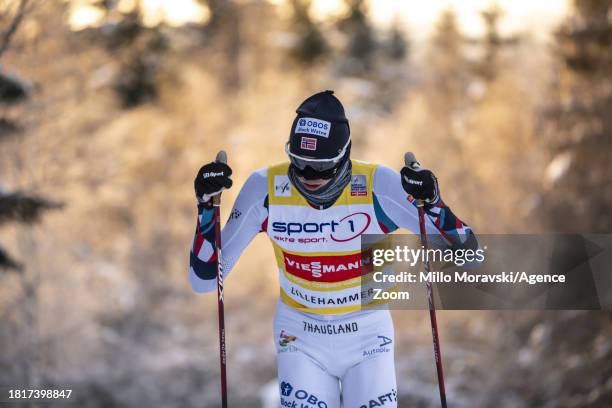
[314,209]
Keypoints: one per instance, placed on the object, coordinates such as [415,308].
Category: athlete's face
[313,185]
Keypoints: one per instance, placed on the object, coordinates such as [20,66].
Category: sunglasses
[318,165]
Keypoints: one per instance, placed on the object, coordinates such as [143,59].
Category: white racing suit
[318,354]
[329,349]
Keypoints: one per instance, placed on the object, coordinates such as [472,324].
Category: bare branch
[24,208]
[7,35]
[7,262]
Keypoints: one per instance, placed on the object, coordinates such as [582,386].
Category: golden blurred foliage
[117,117]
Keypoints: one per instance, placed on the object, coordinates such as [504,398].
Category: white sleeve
[245,221]
[387,187]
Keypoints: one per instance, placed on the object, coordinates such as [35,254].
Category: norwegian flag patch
[308,143]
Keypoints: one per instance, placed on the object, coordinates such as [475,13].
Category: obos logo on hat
[313,126]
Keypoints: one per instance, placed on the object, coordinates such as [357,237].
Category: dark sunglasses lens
[310,174]
[300,164]
[315,165]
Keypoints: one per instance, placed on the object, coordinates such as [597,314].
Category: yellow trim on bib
[339,253]
[282,193]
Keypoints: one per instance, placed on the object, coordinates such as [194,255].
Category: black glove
[211,180]
[421,184]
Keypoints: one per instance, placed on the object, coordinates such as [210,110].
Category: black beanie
[320,130]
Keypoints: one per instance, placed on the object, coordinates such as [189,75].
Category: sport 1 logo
[345,229]
[357,223]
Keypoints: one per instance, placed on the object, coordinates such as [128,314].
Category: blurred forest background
[109,107]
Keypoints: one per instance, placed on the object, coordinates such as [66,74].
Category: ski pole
[221,158]
[410,161]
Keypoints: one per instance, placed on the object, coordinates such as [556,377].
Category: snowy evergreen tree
[397,46]
[361,42]
[311,44]
[578,125]
[493,43]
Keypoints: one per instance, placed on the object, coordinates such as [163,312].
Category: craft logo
[235,214]
[282,186]
[359,185]
[308,143]
[382,400]
[284,339]
[312,126]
